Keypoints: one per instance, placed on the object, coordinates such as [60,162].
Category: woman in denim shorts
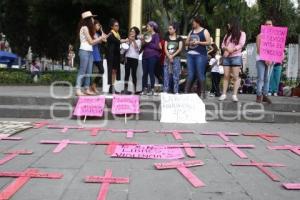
[232,46]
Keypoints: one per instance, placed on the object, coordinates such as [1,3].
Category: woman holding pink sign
[264,70]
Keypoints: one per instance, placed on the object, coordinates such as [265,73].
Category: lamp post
[135,17]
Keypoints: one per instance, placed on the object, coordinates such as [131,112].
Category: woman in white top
[132,58]
[86,34]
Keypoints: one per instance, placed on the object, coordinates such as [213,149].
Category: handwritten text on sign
[125,104]
[272,43]
[90,106]
[147,152]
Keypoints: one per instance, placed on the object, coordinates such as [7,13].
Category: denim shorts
[233,61]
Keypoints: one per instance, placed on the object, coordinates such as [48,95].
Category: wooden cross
[64,129]
[129,132]
[6,137]
[222,135]
[106,180]
[176,133]
[234,148]
[21,179]
[291,186]
[94,130]
[182,167]
[293,148]
[61,144]
[261,167]
[111,145]
[12,154]
[188,148]
[268,137]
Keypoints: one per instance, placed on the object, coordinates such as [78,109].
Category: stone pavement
[222,180]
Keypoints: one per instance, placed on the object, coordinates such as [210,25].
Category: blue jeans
[275,79]
[196,65]
[263,77]
[85,69]
[149,65]
[174,72]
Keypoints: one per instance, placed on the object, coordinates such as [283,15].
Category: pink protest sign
[147,152]
[90,106]
[125,104]
[272,43]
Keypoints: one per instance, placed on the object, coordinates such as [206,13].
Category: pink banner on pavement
[272,43]
[125,104]
[147,152]
[90,106]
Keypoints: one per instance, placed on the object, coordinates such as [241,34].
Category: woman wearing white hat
[86,35]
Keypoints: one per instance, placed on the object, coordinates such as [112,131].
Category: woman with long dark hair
[172,68]
[151,55]
[86,35]
[232,46]
[197,42]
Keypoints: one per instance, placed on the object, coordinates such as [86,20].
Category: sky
[252,2]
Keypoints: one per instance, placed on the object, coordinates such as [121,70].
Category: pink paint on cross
[222,135]
[12,154]
[94,130]
[111,145]
[291,186]
[182,167]
[188,148]
[268,137]
[106,180]
[63,128]
[235,148]
[293,148]
[22,178]
[176,133]
[61,144]
[6,137]
[129,132]
[40,124]
[261,167]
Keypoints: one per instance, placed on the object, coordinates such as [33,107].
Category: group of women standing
[197,44]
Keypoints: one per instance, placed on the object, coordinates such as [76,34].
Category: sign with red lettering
[125,104]
[90,106]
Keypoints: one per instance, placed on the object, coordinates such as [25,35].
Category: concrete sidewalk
[222,180]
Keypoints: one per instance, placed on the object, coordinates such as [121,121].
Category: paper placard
[90,106]
[125,104]
[183,108]
[147,152]
[272,43]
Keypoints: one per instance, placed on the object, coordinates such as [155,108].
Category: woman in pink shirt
[232,46]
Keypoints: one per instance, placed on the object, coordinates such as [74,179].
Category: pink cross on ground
[61,144]
[12,154]
[106,180]
[222,135]
[6,137]
[111,145]
[63,128]
[129,132]
[235,148]
[21,179]
[188,148]
[176,133]
[94,130]
[40,124]
[268,137]
[261,167]
[291,186]
[293,148]
[182,167]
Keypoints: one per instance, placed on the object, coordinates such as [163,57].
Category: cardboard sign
[272,43]
[90,106]
[147,152]
[183,108]
[125,104]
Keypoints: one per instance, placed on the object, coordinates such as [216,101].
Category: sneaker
[151,92]
[275,94]
[269,94]
[222,97]
[234,98]
[144,91]
[212,95]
